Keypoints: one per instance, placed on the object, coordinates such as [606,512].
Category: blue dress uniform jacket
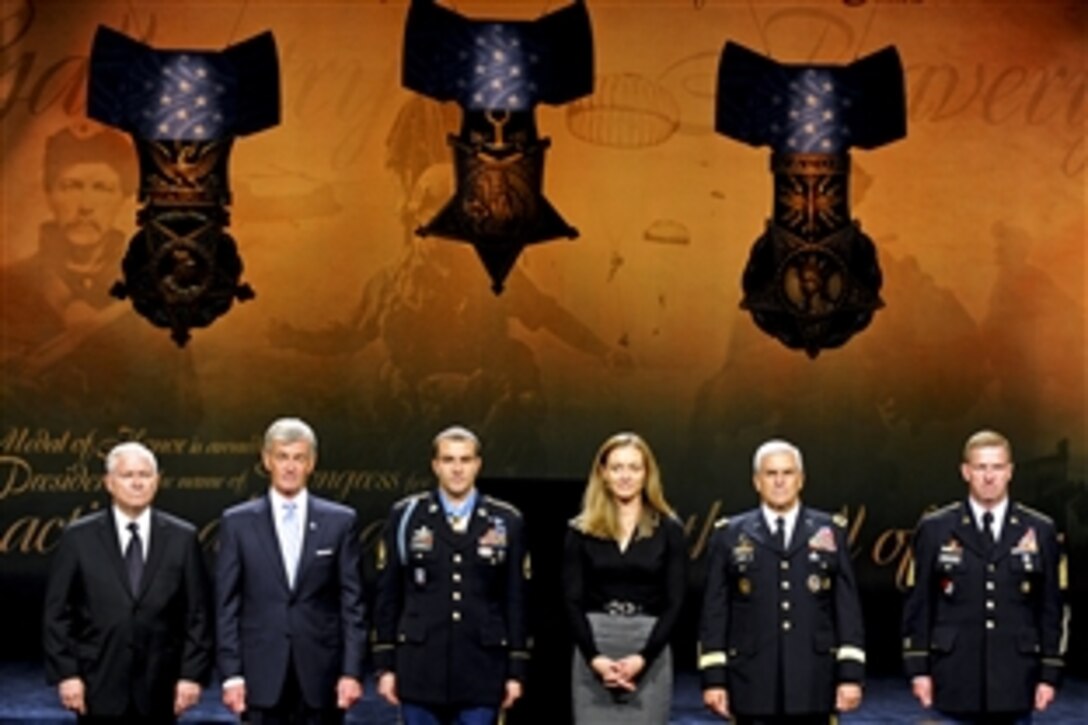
[780,630]
[450,610]
[987,626]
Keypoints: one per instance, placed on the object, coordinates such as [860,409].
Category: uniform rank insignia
[823,540]
[1027,543]
[951,553]
[422,539]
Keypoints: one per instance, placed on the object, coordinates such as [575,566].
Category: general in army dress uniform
[983,624]
[781,638]
[450,639]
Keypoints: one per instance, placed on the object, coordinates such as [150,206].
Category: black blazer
[130,648]
[263,624]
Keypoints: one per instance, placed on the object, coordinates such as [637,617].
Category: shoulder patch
[500,504]
[721,523]
[1033,512]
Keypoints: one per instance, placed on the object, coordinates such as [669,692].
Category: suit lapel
[1011,532]
[265,530]
[313,524]
[158,545]
[757,530]
[967,531]
[480,522]
[107,534]
[803,530]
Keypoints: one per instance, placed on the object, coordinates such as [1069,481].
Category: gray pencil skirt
[594,704]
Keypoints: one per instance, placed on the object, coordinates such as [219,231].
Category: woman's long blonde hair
[599,516]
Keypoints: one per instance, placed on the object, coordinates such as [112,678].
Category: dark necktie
[988,531]
[780,533]
[134,557]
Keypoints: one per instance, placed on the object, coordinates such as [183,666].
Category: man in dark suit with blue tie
[127,612]
[289,594]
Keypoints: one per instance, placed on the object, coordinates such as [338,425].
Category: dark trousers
[128,719]
[451,715]
[822,719]
[292,708]
[993,718]
[131,717]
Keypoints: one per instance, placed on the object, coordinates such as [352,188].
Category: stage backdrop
[379,338]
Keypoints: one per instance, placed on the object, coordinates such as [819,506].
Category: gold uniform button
[990,567]
[785,606]
[456,576]
[457,596]
[989,603]
[456,616]
[786,626]
[785,565]
[989,586]
[456,558]
[785,586]
[990,624]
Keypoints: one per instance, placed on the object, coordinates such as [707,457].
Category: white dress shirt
[789,517]
[143,525]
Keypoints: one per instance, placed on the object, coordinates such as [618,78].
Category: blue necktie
[291,544]
[134,557]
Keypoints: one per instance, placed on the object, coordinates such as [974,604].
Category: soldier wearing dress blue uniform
[450,634]
[781,637]
[983,625]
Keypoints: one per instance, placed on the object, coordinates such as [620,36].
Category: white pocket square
[324,552]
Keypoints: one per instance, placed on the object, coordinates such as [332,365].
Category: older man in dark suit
[127,616]
[289,594]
